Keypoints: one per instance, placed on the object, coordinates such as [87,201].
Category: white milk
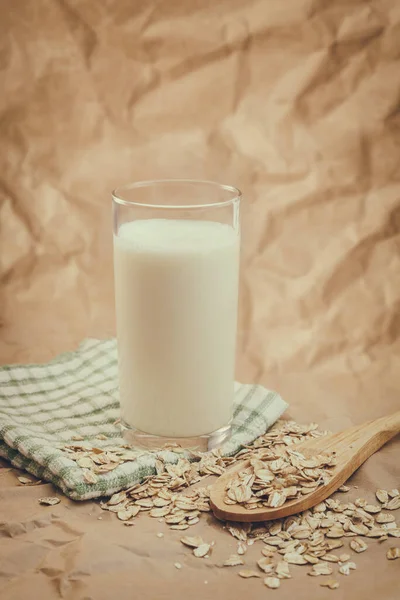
[176,285]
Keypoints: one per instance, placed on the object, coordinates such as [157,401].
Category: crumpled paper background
[297,104]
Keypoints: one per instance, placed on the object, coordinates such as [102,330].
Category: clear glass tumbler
[176,265]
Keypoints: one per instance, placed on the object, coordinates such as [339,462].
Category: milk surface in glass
[176,285]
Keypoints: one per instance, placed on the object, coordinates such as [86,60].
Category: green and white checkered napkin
[43,406]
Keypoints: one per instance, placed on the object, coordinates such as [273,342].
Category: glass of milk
[176,264]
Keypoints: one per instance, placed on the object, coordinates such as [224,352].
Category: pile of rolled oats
[273,478]
[314,538]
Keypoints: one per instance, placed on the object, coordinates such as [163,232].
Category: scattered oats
[321,568]
[317,538]
[394,503]
[294,558]
[373,508]
[101,436]
[160,502]
[389,526]
[241,548]
[185,505]
[359,529]
[116,498]
[201,550]
[300,533]
[331,557]
[335,532]
[344,557]
[334,544]
[240,532]
[360,502]
[177,565]
[265,564]
[358,545]
[382,496]
[393,553]
[89,476]
[384,518]
[332,584]
[25,480]
[311,559]
[272,582]
[268,552]
[246,574]
[160,535]
[282,570]
[274,541]
[376,532]
[192,542]
[275,528]
[327,522]
[127,513]
[233,561]
[48,501]
[145,503]
[175,519]
[277,473]
[345,568]
[85,462]
[77,438]
[344,488]
[393,532]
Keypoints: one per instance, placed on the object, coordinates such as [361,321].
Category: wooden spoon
[352,446]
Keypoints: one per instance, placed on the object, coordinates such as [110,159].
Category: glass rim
[117,193]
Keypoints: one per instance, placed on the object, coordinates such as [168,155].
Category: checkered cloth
[42,407]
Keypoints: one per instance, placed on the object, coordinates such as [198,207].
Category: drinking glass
[176,266]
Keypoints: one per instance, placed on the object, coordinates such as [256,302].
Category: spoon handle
[380,430]
[376,433]
[387,426]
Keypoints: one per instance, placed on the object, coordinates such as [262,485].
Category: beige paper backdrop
[296,102]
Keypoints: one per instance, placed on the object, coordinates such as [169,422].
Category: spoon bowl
[352,448]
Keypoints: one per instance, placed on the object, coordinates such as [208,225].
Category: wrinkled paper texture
[297,104]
